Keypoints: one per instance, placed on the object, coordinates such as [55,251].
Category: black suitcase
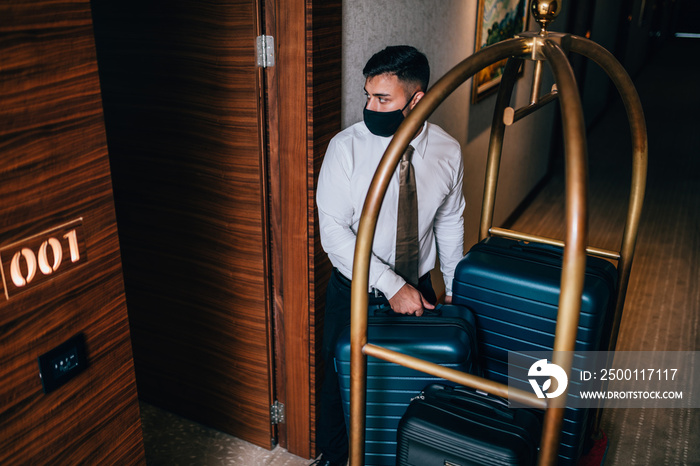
[513,288]
[460,426]
[445,336]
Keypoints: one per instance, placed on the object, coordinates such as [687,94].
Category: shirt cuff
[390,283]
[448,285]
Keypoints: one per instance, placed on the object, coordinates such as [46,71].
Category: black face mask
[384,123]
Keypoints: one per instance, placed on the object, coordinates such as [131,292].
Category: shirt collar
[419,143]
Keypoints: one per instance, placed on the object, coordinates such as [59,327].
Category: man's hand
[448,299]
[409,300]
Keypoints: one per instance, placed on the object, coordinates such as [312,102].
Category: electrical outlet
[62,363]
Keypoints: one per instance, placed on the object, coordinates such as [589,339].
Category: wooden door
[182,99]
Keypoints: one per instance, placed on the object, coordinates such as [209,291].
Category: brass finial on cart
[544,12]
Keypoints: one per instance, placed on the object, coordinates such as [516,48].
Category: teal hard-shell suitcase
[513,288]
[446,337]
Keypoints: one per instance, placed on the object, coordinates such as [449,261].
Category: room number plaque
[42,257]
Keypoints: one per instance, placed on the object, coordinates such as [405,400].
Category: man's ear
[416,98]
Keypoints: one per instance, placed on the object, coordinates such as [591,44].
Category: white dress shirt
[351,159]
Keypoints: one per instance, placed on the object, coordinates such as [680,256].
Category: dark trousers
[331,432]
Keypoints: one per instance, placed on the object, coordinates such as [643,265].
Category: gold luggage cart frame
[541,47]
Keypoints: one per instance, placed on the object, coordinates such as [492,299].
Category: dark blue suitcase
[513,288]
[459,426]
[446,336]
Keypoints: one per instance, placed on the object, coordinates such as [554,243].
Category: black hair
[406,62]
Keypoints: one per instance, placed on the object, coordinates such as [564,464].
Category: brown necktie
[407,225]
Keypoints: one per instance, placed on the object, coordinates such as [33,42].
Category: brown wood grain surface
[54,171]
[292,279]
[303,113]
[182,112]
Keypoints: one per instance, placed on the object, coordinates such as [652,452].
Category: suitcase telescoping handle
[469,399]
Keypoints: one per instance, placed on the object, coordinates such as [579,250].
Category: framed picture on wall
[497,20]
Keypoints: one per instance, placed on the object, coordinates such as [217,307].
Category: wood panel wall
[181,97]
[54,180]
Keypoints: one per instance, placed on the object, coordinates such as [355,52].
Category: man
[396,79]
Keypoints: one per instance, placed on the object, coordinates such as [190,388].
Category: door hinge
[265,47]
[277,413]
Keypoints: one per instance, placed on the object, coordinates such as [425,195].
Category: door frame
[302,95]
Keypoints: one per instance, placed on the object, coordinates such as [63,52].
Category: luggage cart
[542,46]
